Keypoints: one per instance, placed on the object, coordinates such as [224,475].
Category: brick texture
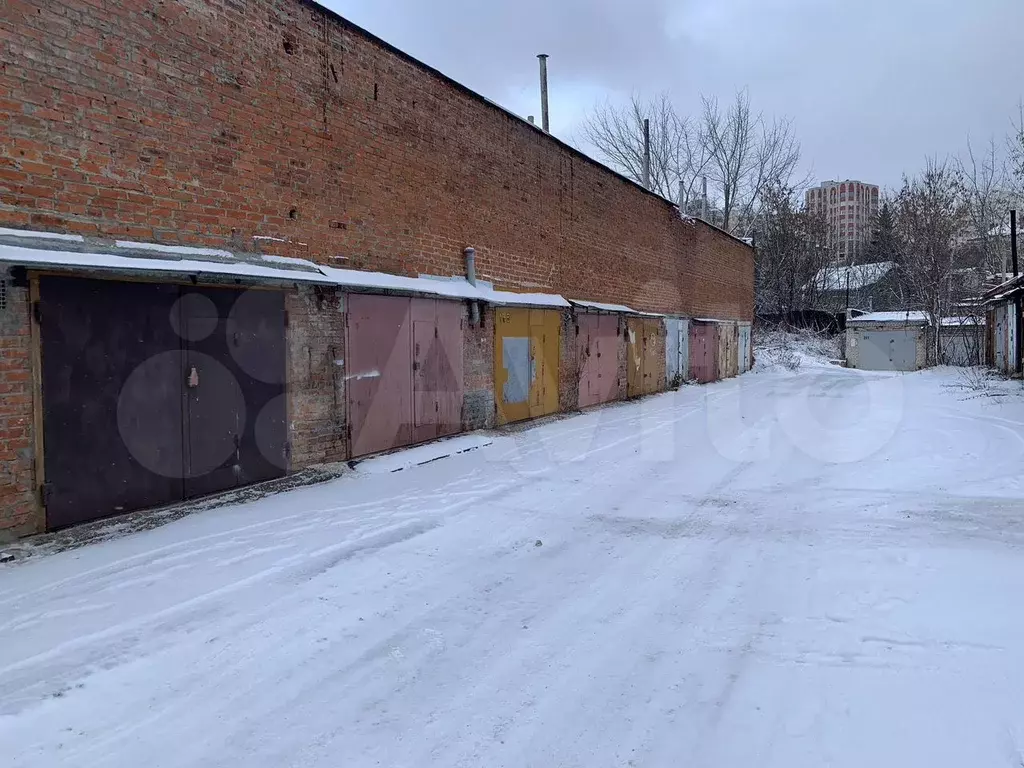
[19,511]
[316,382]
[570,364]
[274,126]
[220,121]
[478,371]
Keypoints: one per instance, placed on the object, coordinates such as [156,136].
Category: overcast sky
[872,85]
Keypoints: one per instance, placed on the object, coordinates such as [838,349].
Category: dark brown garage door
[154,393]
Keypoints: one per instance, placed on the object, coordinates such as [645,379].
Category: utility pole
[647,153]
[1019,331]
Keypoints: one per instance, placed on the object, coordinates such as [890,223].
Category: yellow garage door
[526,345]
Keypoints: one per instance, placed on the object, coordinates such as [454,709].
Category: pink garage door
[404,371]
[597,350]
[703,351]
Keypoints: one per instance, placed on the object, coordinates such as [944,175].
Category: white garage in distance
[888,341]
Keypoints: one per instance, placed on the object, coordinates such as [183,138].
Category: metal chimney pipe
[704,198]
[544,116]
[682,198]
[474,308]
[647,153]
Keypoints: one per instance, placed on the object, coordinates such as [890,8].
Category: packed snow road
[809,569]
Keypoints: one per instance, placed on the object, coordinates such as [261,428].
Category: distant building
[850,207]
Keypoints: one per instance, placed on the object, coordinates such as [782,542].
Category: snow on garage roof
[600,307]
[354,278]
[961,321]
[108,262]
[28,233]
[510,298]
[911,316]
[435,285]
[179,250]
[175,260]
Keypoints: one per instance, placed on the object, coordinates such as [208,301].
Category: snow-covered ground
[817,567]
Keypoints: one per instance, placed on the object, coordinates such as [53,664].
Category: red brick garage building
[276,127]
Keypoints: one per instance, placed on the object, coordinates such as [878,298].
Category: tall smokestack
[545,121]
[647,153]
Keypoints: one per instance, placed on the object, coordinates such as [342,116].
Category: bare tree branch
[984,176]
[740,153]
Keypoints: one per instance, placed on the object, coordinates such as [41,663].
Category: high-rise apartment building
[850,207]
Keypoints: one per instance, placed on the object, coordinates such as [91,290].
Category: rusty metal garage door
[404,365]
[645,359]
[597,351]
[153,393]
[703,351]
[728,343]
[526,360]
[677,350]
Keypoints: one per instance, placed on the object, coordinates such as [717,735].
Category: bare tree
[677,153]
[741,153]
[984,176]
[931,214]
[1015,146]
[793,249]
[747,155]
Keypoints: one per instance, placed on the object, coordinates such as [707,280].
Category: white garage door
[894,350]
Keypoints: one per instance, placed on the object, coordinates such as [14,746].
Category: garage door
[597,343]
[704,351]
[405,371]
[526,363]
[677,350]
[154,393]
[894,350]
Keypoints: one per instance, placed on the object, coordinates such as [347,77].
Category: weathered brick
[195,125]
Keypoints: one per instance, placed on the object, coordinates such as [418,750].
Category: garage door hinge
[45,492]
[37,312]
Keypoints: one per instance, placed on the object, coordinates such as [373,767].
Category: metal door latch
[193,378]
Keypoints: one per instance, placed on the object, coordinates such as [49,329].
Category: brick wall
[478,371]
[623,359]
[316,381]
[218,121]
[569,364]
[19,512]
